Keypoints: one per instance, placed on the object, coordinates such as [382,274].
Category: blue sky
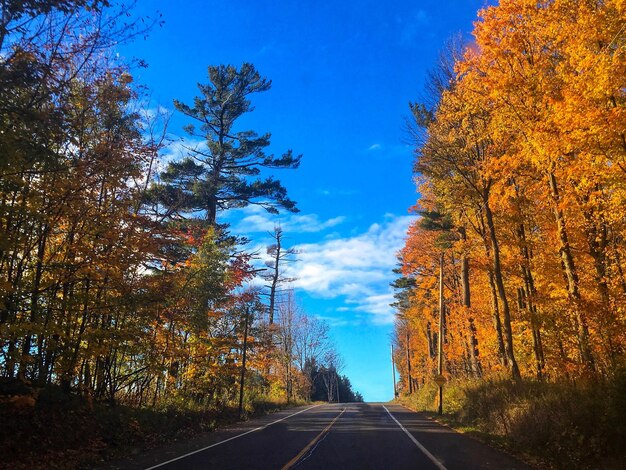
[342,75]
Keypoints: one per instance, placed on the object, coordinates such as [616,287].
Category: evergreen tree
[226,172]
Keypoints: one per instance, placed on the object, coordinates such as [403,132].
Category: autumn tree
[522,149]
[455,156]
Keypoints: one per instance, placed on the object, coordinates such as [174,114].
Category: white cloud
[379,305]
[374,147]
[178,148]
[355,271]
[255,219]
[357,268]
[337,192]
[335,321]
[151,113]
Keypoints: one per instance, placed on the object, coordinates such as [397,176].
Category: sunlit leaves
[532,129]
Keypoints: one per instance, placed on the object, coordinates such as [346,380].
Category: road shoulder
[453,449]
[150,458]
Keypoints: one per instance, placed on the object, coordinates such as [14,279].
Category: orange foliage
[533,130]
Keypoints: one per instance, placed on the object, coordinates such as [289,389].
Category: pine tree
[225,173]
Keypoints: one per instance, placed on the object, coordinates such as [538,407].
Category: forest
[119,286]
[130,312]
[520,166]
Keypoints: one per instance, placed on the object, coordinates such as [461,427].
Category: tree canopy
[522,152]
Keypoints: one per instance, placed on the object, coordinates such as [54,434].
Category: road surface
[332,436]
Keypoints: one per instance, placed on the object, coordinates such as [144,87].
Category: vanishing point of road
[332,436]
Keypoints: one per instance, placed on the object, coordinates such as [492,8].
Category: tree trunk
[243,363]
[34,303]
[497,323]
[618,264]
[408,360]
[597,242]
[499,281]
[474,353]
[528,294]
[571,276]
[495,309]
[275,276]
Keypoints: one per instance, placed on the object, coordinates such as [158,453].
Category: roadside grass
[560,425]
[65,432]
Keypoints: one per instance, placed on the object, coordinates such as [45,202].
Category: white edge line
[416,442]
[231,438]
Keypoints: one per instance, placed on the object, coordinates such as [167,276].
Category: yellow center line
[303,452]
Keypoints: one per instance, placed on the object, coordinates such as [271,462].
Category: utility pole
[243,361]
[440,379]
[393,370]
[408,359]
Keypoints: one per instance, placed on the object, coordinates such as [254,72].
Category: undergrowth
[578,424]
[65,432]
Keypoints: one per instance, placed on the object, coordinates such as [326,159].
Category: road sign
[440,380]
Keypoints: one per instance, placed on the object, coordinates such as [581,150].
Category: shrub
[566,424]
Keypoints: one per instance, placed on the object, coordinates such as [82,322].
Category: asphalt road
[337,436]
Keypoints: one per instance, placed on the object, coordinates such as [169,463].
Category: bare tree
[279,255]
[287,313]
[305,345]
[330,374]
[311,346]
